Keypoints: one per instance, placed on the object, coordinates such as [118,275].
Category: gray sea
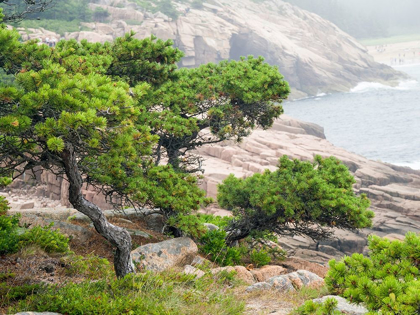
[373,120]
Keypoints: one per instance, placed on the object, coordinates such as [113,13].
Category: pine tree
[69,114]
[300,198]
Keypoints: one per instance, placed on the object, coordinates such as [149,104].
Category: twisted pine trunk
[117,236]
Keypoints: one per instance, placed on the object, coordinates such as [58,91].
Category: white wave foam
[363,87]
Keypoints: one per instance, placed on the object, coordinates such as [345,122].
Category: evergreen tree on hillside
[93,112]
[68,116]
[300,198]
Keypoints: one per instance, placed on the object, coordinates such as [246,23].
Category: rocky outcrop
[289,282]
[393,190]
[172,253]
[312,53]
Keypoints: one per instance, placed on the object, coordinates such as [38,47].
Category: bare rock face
[289,282]
[172,253]
[267,272]
[298,263]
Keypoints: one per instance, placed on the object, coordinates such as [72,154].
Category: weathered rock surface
[190,270]
[295,263]
[264,273]
[289,282]
[393,190]
[176,252]
[344,306]
[312,53]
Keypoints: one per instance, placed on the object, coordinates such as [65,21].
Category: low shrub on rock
[387,281]
[13,237]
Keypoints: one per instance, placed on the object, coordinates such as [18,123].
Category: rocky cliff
[312,53]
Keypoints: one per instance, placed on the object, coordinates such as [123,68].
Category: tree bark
[117,236]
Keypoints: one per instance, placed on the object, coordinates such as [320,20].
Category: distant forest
[368,18]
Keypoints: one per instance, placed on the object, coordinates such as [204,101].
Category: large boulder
[289,282]
[176,252]
[267,272]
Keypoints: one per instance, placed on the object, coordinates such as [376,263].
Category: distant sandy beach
[396,54]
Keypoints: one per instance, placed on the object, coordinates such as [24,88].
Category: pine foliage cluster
[300,198]
[387,281]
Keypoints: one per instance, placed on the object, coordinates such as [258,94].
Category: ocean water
[373,120]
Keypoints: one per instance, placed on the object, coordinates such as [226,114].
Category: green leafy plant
[259,257]
[193,225]
[12,237]
[312,308]
[91,266]
[214,245]
[14,293]
[386,281]
[46,238]
[7,275]
[9,236]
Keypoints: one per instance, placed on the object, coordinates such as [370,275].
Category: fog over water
[373,120]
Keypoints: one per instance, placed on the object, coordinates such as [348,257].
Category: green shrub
[221,222]
[189,225]
[193,225]
[14,293]
[7,275]
[12,238]
[9,237]
[91,266]
[312,308]
[293,200]
[387,281]
[214,245]
[259,257]
[49,240]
